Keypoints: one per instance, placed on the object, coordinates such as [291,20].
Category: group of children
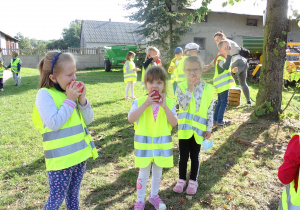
[15,66]
[62,114]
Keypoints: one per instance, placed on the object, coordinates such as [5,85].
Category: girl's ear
[52,77]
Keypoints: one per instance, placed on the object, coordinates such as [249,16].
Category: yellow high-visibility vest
[173,71]
[224,81]
[1,71]
[14,65]
[131,74]
[71,144]
[152,140]
[191,122]
[180,70]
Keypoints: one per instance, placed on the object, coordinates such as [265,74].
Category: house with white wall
[8,43]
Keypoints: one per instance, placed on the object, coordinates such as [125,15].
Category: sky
[45,20]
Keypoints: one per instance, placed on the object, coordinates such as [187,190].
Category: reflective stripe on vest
[63,133]
[1,72]
[224,81]
[156,140]
[153,153]
[14,65]
[189,127]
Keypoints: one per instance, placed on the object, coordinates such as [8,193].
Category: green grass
[109,181]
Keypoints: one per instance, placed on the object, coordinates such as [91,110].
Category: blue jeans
[221,107]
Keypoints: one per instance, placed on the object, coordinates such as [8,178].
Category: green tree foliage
[24,42]
[162,21]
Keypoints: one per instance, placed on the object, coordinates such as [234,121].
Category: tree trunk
[271,77]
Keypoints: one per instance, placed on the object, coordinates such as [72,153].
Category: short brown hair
[193,59]
[129,54]
[220,34]
[14,53]
[220,43]
[46,64]
[156,73]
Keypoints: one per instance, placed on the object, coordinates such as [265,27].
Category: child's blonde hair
[129,54]
[46,64]
[220,43]
[14,54]
[151,49]
[156,73]
[193,59]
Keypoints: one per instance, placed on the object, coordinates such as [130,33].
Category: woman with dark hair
[237,61]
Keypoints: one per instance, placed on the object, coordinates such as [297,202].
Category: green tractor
[116,55]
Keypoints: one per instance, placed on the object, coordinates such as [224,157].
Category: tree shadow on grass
[217,166]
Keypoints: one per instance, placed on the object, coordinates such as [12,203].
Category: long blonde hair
[151,49]
[46,64]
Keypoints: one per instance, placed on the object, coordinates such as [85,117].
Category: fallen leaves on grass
[131,190]
[182,201]
[239,188]
[207,201]
[245,173]
[189,197]
[222,172]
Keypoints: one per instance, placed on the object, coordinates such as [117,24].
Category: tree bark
[271,78]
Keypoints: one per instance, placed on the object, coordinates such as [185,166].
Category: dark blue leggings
[65,184]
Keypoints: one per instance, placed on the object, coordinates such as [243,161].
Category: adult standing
[237,61]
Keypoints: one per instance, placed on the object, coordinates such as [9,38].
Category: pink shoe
[139,206]
[192,187]
[157,203]
[179,186]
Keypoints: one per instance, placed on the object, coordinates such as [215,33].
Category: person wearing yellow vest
[61,114]
[191,49]
[173,66]
[153,117]
[15,67]
[152,59]
[288,174]
[129,72]
[195,122]
[222,81]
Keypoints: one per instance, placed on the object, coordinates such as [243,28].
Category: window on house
[252,22]
[200,42]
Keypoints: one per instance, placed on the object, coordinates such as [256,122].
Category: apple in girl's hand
[156,93]
[157,60]
[79,85]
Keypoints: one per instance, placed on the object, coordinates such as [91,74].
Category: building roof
[110,32]
[1,32]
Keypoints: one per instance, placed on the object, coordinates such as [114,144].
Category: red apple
[79,85]
[157,60]
[156,93]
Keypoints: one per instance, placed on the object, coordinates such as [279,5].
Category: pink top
[155,108]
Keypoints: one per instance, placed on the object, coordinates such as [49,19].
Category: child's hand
[72,91]
[207,135]
[163,103]
[206,68]
[81,97]
[137,69]
[151,99]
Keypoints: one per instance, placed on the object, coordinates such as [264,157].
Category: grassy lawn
[239,172]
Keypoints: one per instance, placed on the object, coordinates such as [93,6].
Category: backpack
[244,52]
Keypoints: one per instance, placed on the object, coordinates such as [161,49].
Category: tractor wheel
[107,65]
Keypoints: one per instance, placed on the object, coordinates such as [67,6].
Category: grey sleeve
[87,112]
[51,116]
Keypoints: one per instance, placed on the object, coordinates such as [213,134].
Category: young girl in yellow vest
[153,117]
[15,67]
[288,174]
[223,81]
[173,66]
[61,114]
[195,122]
[129,71]
[152,59]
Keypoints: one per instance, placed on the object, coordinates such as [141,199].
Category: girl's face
[155,85]
[152,54]
[218,39]
[192,69]
[132,57]
[67,75]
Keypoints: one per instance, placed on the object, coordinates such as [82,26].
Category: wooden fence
[76,51]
